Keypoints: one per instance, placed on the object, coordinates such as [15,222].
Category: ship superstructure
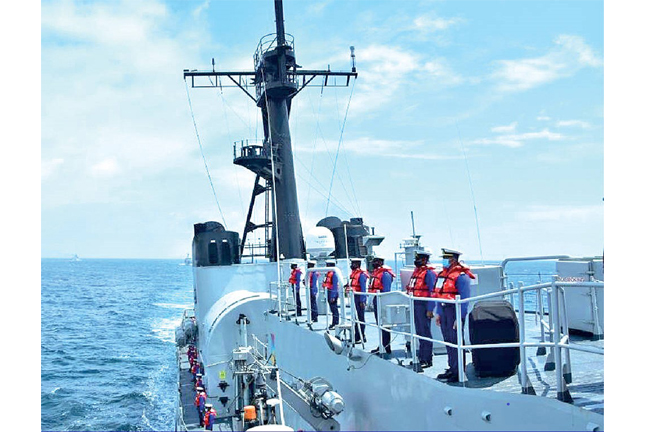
[255,351]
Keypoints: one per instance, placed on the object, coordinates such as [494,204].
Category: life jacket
[376,284]
[293,279]
[206,419]
[327,282]
[447,289]
[198,383]
[199,396]
[354,279]
[195,368]
[416,285]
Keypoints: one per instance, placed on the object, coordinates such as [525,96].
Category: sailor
[210,416]
[199,402]
[196,369]
[331,284]
[453,280]
[358,280]
[421,285]
[313,290]
[380,282]
[199,381]
[295,280]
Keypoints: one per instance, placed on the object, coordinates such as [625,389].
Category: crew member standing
[421,285]
[199,402]
[454,279]
[358,280]
[380,282]
[331,284]
[210,416]
[313,290]
[295,279]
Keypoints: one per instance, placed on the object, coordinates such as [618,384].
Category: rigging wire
[471,188]
[225,115]
[339,147]
[205,163]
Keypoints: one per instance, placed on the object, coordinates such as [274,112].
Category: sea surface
[107,343]
[107,340]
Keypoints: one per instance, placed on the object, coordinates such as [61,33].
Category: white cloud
[579,123]
[517,140]
[49,167]
[569,55]
[543,118]
[505,128]
[106,168]
[430,23]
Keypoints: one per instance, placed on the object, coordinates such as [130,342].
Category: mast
[277,82]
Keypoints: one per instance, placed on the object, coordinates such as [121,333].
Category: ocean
[107,343]
[107,340]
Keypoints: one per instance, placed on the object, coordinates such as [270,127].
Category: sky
[483,118]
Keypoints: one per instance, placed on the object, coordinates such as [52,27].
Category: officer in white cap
[453,280]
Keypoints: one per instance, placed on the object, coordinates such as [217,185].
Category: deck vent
[486,416]
[448,410]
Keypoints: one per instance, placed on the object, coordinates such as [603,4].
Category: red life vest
[354,279]
[376,284]
[195,368]
[416,285]
[293,279]
[327,282]
[448,290]
[197,399]
[206,418]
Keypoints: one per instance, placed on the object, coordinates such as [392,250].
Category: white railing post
[308,296]
[414,360]
[382,349]
[540,312]
[460,351]
[562,391]
[526,387]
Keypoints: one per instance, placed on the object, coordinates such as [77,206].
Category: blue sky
[509,94]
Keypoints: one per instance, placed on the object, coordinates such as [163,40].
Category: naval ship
[266,367]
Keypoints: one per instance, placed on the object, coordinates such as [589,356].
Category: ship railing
[557,322]
[284,301]
[270,42]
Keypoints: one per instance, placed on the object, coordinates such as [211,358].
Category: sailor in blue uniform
[331,284]
[453,280]
[421,285]
[313,290]
[380,281]
[295,280]
[358,280]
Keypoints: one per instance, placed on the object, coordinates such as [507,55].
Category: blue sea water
[107,340]
[107,343]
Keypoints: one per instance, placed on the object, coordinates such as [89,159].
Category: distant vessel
[75,258]
[187,261]
[267,368]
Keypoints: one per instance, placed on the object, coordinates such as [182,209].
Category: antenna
[412,223]
[353,57]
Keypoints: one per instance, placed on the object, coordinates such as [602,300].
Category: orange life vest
[354,279]
[197,399]
[376,284]
[327,282]
[206,418]
[416,285]
[448,290]
[293,279]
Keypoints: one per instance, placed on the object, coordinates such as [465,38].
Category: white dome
[319,242]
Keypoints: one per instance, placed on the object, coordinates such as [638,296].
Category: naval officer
[312,276]
[358,280]
[380,282]
[295,279]
[421,285]
[331,284]
[454,279]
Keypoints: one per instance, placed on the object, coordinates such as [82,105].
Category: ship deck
[189,416]
[587,369]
